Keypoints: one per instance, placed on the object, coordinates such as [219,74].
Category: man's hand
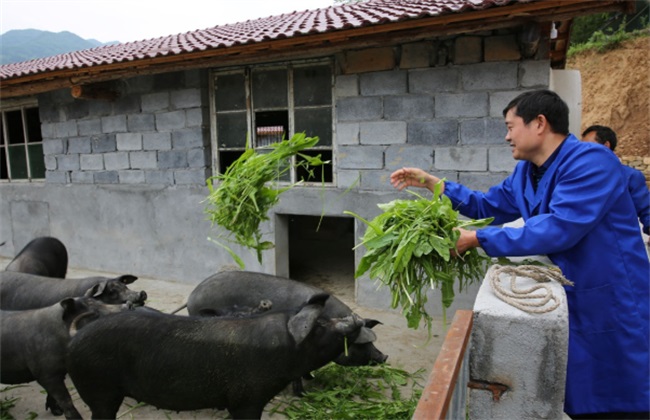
[467,240]
[413,177]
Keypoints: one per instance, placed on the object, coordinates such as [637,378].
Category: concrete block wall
[523,353]
[156,132]
[432,104]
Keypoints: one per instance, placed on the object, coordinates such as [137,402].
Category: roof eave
[321,44]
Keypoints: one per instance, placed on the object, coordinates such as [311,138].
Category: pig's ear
[369,323]
[68,306]
[96,290]
[301,324]
[127,278]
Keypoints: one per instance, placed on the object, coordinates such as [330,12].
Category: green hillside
[28,44]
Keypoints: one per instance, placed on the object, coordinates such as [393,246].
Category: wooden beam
[94,91]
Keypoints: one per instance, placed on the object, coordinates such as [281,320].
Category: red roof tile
[288,25]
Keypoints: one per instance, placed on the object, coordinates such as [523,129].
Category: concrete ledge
[517,359]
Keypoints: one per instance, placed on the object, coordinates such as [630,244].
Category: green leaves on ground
[356,392]
[240,198]
[409,250]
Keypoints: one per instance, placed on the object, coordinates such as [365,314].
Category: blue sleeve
[498,202]
[638,188]
[586,187]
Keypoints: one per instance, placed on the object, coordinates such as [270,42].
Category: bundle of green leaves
[241,197]
[409,249]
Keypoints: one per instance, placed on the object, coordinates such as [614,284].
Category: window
[262,105]
[21,144]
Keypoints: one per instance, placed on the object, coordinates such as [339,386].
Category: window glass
[36,161]
[33,125]
[15,127]
[270,89]
[312,86]
[231,129]
[18,162]
[315,122]
[231,92]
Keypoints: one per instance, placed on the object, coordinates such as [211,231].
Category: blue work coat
[638,188]
[583,218]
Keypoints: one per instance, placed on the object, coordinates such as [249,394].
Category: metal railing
[445,393]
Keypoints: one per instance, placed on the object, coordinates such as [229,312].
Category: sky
[136,20]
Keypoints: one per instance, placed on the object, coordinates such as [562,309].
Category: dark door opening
[322,255]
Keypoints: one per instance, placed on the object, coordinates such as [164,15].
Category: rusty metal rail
[444,380]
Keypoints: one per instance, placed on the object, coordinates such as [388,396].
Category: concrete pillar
[517,359]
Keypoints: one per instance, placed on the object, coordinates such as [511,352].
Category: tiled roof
[289,25]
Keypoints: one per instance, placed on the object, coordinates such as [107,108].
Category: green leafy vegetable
[409,250]
[355,392]
[240,198]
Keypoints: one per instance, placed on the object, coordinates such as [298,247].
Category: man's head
[537,122]
[600,134]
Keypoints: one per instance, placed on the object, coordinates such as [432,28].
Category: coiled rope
[524,298]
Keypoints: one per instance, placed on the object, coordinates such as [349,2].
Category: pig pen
[407,349]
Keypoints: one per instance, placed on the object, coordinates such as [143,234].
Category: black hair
[604,134]
[529,105]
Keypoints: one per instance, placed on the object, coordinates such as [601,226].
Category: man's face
[523,138]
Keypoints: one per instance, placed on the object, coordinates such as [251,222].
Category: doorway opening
[323,256]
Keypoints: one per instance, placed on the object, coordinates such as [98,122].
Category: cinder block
[158,101]
[439,132]
[186,98]
[143,160]
[361,157]
[91,162]
[500,159]
[103,143]
[157,141]
[128,141]
[106,177]
[347,133]
[534,74]
[399,156]
[525,352]
[170,120]
[408,107]
[67,162]
[483,131]
[454,105]
[489,76]
[114,124]
[383,83]
[481,181]
[89,127]
[382,132]
[139,123]
[116,160]
[131,177]
[359,109]
[346,85]
[434,80]
[467,158]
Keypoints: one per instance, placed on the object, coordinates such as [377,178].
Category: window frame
[247,72]
[22,105]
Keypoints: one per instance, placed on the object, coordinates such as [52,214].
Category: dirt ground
[407,349]
[616,93]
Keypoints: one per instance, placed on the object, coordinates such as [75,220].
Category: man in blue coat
[574,201]
[635,180]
